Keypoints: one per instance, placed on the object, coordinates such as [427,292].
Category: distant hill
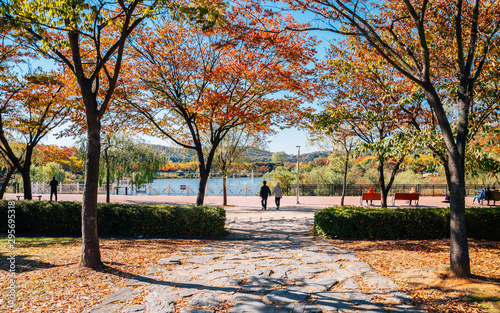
[176,154]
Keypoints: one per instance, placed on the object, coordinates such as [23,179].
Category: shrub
[43,218]
[376,223]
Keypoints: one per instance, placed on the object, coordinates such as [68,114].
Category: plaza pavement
[268,264]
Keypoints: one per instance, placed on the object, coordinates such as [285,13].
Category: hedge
[378,223]
[44,218]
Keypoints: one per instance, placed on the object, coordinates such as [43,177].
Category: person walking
[264,193]
[53,187]
[278,193]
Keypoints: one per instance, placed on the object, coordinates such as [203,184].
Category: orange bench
[370,196]
[406,196]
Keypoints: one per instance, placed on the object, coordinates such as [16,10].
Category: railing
[249,190]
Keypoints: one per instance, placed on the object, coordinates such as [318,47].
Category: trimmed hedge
[377,223]
[44,218]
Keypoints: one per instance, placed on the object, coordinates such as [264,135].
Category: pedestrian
[370,191]
[53,187]
[494,195]
[487,195]
[278,193]
[480,196]
[264,193]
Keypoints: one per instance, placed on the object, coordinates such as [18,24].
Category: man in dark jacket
[487,195]
[264,193]
[53,187]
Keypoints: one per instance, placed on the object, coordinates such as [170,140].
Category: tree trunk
[28,195]
[200,198]
[91,256]
[459,246]
[224,187]
[107,175]
[381,181]
[344,185]
[6,181]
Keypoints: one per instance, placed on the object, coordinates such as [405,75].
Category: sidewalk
[266,265]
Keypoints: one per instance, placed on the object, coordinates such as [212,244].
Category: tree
[338,138]
[198,85]
[232,148]
[125,157]
[428,42]
[31,105]
[87,38]
[364,102]
[279,157]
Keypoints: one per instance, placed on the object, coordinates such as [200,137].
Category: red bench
[406,196]
[370,196]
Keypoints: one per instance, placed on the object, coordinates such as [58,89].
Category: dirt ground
[421,269]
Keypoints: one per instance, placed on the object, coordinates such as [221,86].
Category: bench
[406,196]
[369,196]
[39,197]
[495,196]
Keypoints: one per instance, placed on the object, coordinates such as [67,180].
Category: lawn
[50,279]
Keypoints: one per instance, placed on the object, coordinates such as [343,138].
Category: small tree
[232,148]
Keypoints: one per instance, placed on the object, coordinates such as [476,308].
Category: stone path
[268,265]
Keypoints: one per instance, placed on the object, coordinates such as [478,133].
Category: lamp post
[298,169]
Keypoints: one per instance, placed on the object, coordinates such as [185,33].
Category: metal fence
[248,190]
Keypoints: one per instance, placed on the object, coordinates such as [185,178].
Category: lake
[189,186]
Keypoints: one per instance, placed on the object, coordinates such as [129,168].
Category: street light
[298,169]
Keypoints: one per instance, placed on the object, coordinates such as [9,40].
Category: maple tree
[196,85]
[429,42]
[67,157]
[87,38]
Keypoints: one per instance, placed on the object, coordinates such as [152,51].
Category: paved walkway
[268,264]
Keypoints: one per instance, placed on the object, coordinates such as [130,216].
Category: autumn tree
[197,85]
[31,105]
[427,42]
[88,38]
[364,102]
[67,157]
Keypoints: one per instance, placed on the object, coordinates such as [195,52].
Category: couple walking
[266,192]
